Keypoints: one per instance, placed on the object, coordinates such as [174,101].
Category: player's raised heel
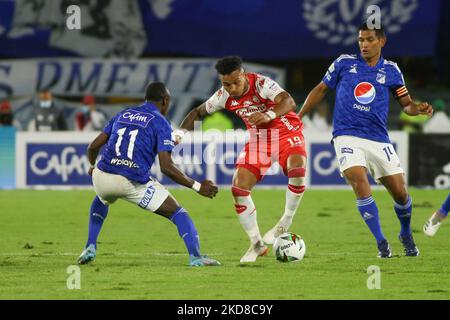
[203,261]
[87,255]
[256,250]
[384,250]
[272,234]
[430,229]
[411,249]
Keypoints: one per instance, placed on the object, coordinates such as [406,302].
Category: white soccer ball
[289,247]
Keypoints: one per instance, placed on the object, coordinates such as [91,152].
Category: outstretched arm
[314,98]
[413,109]
[207,188]
[188,123]
[195,115]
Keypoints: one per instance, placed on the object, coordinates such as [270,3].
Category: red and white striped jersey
[259,97]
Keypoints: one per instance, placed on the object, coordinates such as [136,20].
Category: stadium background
[122,45]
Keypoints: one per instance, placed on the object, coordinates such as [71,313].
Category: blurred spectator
[7,116]
[319,118]
[90,118]
[48,117]
[439,122]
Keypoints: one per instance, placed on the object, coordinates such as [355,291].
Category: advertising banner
[43,162]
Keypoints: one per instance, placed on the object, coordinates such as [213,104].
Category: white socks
[294,194]
[246,211]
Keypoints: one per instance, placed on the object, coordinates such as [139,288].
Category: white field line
[23,254]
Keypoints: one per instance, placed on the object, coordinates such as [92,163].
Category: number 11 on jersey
[133,134]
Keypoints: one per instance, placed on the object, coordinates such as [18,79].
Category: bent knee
[400,196]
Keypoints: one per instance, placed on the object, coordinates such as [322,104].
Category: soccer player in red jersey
[275,130]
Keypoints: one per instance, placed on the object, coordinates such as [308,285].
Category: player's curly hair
[227,65]
[379,32]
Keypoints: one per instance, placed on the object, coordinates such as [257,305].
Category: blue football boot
[384,251]
[411,249]
[87,255]
[202,261]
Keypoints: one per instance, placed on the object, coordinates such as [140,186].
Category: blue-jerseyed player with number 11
[360,135]
[132,140]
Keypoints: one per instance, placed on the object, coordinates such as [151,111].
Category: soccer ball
[289,247]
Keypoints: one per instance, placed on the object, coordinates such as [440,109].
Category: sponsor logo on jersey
[169,143]
[124,162]
[331,68]
[245,112]
[287,124]
[364,92]
[135,117]
[361,108]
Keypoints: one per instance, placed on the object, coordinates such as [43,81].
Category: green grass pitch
[140,255]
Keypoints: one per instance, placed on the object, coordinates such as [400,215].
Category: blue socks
[445,206]
[404,215]
[98,214]
[369,212]
[187,231]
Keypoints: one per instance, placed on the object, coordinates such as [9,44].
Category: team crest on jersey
[381,78]
[364,92]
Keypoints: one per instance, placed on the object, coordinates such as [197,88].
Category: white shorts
[110,187]
[379,158]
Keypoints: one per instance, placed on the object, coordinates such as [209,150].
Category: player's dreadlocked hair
[227,65]
[155,91]
[379,32]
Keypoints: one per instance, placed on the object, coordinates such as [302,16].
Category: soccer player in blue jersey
[432,225]
[360,137]
[132,140]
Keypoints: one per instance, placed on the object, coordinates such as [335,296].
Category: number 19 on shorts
[295,141]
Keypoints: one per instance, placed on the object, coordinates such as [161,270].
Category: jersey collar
[378,65]
[150,106]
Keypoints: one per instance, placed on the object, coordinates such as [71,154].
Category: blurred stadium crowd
[142,29]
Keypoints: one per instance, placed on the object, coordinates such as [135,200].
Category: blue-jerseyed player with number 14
[360,137]
[132,139]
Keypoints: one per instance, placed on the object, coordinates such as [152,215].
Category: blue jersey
[362,96]
[136,136]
